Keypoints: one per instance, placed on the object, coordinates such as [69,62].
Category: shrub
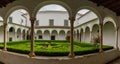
[54,48]
[68,38]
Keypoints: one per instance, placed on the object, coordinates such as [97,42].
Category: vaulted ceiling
[3,3]
[113,5]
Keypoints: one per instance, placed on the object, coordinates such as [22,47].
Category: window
[40,37]
[21,21]
[65,22]
[10,19]
[37,23]
[51,22]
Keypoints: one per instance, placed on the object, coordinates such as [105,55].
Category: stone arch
[68,33]
[24,34]
[109,19]
[54,35]
[39,34]
[81,35]
[62,35]
[46,35]
[52,2]
[12,36]
[109,34]
[13,9]
[18,34]
[95,30]
[28,35]
[1,18]
[92,8]
[87,34]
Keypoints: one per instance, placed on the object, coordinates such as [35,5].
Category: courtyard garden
[53,48]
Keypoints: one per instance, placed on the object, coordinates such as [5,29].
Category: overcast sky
[54,7]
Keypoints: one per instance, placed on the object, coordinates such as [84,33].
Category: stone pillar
[101,36]
[5,36]
[32,54]
[71,54]
[116,38]
[91,36]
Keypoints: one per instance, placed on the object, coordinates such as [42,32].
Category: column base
[71,55]
[117,48]
[101,50]
[32,54]
[4,49]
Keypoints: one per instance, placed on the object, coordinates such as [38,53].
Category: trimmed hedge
[53,48]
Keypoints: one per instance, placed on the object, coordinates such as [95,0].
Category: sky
[55,7]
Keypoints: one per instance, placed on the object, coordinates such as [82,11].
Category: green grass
[53,48]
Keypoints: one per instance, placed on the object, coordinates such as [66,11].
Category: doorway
[52,37]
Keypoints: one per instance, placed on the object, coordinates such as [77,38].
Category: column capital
[72,18]
[32,19]
[5,24]
[101,23]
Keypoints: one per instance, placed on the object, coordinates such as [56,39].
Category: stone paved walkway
[117,61]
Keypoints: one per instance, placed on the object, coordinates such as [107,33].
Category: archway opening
[85,18]
[87,35]
[109,34]
[12,34]
[19,19]
[54,35]
[39,35]
[46,35]
[62,35]
[53,16]
[81,36]
[19,34]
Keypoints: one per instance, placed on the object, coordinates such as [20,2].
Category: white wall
[17,17]
[1,34]
[109,34]
[87,35]
[62,35]
[89,16]
[58,16]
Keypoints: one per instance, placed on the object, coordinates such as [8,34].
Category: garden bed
[53,48]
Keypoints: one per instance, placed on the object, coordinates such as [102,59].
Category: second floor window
[10,19]
[65,22]
[51,22]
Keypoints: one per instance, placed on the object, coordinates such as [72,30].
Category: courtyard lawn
[53,48]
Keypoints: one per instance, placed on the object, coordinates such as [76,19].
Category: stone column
[116,38]
[101,36]
[91,36]
[71,54]
[5,36]
[32,54]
